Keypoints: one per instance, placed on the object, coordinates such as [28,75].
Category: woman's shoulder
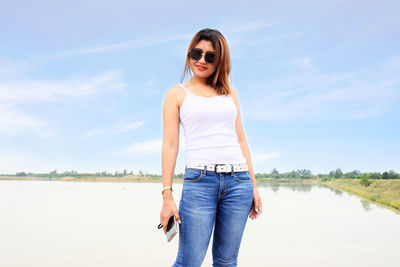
[233,92]
[232,89]
[175,90]
[176,94]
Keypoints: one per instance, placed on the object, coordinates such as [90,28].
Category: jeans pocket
[193,175]
[243,177]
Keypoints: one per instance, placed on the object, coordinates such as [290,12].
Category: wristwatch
[165,188]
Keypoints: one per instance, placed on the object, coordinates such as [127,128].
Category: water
[48,223]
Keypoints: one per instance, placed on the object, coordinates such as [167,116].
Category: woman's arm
[242,137]
[256,207]
[170,147]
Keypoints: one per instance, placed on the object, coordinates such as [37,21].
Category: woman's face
[200,68]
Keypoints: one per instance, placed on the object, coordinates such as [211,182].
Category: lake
[54,223]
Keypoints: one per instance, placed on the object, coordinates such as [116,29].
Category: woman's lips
[200,68]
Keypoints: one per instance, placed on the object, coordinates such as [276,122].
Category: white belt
[239,167]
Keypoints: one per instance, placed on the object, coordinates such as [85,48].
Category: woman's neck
[199,81]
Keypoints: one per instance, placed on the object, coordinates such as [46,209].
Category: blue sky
[82,83]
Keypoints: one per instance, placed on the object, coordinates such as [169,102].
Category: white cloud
[119,128]
[52,90]
[313,95]
[135,43]
[304,62]
[264,156]
[10,68]
[153,146]
[16,161]
[153,40]
[250,26]
[149,82]
[148,89]
[150,41]
[13,121]
[147,147]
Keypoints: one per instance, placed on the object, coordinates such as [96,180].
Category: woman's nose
[202,59]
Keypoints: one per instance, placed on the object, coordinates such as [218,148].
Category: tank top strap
[184,88]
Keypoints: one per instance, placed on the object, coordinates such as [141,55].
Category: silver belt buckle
[215,167]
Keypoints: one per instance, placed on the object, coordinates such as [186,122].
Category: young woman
[219,188]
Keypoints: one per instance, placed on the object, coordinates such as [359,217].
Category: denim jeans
[209,198]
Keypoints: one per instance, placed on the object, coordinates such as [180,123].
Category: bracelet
[166,188]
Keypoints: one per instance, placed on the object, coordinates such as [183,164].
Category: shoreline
[128,178]
[383,191]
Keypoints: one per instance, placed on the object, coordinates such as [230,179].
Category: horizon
[140,172]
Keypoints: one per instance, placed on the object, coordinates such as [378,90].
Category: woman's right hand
[168,209]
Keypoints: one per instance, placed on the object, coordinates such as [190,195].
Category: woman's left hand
[256,207]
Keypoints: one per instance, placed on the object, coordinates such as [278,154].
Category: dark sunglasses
[196,53]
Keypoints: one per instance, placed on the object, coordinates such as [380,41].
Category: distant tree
[275,173]
[292,174]
[21,174]
[393,175]
[353,174]
[364,181]
[125,172]
[304,173]
[332,174]
[375,175]
[385,175]
[338,173]
[140,173]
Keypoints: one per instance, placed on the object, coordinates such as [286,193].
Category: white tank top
[209,129]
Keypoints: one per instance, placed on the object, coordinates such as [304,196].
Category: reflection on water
[274,186]
[299,187]
[366,205]
[296,187]
[48,223]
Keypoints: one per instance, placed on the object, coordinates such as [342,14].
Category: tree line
[73,173]
[294,174]
[334,174]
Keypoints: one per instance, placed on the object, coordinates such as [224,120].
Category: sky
[82,83]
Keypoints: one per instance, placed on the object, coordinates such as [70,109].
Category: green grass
[386,192]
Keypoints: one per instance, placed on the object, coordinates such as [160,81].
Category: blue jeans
[209,198]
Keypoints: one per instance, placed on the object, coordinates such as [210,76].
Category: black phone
[172,228]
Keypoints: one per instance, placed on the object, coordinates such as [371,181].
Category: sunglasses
[197,53]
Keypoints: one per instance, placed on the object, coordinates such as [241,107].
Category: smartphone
[172,228]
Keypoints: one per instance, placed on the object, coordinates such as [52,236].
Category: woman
[219,184]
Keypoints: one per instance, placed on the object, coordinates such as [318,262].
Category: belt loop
[205,170]
[232,170]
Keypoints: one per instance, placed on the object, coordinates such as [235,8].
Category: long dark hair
[219,80]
